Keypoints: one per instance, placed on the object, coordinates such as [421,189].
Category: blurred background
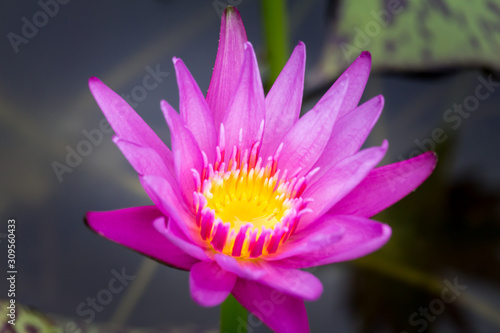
[435,62]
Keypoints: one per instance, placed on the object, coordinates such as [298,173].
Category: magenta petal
[209,284]
[305,141]
[386,185]
[126,122]
[309,240]
[147,163]
[187,154]
[194,110]
[361,237]
[246,112]
[133,228]
[171,232]
[280,312]
[145,160]
[290,281]
[340,180]
[227,64]
[242,268]
[284,100]
[169,202]
[349,133]
[358,74]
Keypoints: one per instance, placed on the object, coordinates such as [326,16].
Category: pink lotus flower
[250,193]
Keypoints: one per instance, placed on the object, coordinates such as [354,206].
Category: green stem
[134,292]
[276,34]
[233,316]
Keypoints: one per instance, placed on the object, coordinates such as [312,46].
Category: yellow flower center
[246,197]
[244,209]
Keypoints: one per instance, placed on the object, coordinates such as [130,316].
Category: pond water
[447,232]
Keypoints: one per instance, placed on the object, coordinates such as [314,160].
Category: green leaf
[24,319]
[405,35]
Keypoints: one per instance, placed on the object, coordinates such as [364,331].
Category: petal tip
[231,10]
[89,221]
[248,45]
[86,218]
[366,54]
[318,291]
[387,230]
[385,235]
[385,145]
[432,157]
[164,104]
[94,82]
[380,99]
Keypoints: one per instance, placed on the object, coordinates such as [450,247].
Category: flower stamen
[244,208]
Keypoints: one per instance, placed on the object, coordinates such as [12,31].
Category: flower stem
[233,316]
[134,292]
[276,34]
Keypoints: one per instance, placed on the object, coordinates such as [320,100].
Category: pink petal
[305,141]
[144,160]
[290,281]
[386,185]
[247,109]
[147,163]
[194,110]
[280,312]
[293,282]
[126,122]
[358,74]
[349,133]
[340,180]
[227,64]
[166,198]
[243,268]
[209,284]
[361,237]
[133,228]
[284,100]
[309,240]
[172,233]
[187,154]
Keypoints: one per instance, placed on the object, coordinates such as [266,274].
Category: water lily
[250,193]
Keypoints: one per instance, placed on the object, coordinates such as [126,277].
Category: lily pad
[404,35]
[24,319]
[29,320]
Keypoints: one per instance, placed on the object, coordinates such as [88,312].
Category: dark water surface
[447,231]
